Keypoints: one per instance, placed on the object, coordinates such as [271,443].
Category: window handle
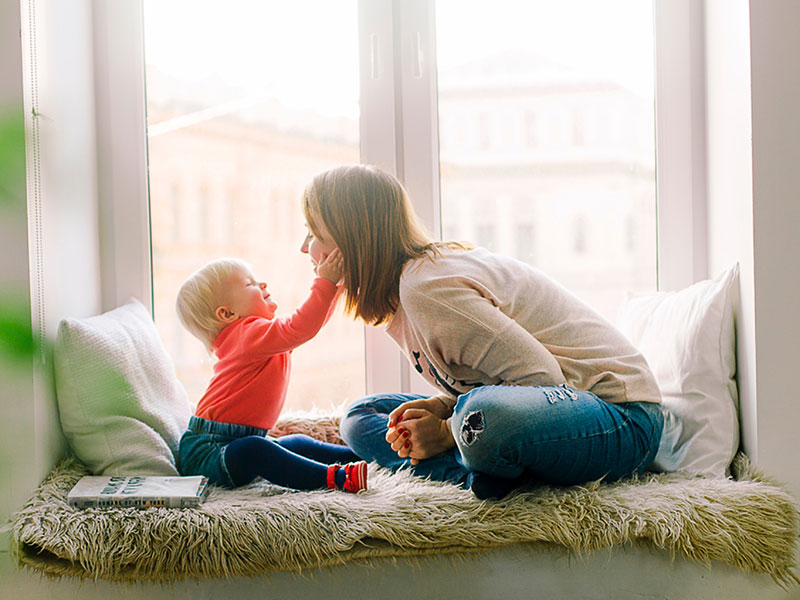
[418,55]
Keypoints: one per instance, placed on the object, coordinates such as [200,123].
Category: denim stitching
[562,392]
[224,465]
[650,455]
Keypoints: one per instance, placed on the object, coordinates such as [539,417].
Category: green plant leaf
[12,157]
[17,339]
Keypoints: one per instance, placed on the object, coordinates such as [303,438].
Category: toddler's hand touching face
[331,267]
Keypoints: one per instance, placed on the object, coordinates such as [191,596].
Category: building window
[579,233]
[485,236]
[531,128]
[483,132]
[525,243]
[578,127]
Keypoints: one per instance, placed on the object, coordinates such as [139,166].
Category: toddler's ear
[225,314]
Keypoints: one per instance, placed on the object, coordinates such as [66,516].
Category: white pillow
[121,406]
[688,339]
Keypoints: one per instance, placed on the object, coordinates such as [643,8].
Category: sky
[305,52]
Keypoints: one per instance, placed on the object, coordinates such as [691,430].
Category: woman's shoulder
[432,265]
[451,269]
[474,263]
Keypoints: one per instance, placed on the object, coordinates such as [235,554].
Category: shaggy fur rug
[749,522]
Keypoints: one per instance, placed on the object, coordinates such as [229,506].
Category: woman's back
[470,318]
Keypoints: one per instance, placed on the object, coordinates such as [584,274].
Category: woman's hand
[434,404]
[418,429]
[331,267]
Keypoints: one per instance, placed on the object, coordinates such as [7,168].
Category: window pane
[246,101]
[546,125]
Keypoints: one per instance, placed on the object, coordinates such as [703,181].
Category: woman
[534,384]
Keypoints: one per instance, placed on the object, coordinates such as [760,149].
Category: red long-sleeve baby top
[253,365]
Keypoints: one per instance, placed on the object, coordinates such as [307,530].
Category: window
[236,128]
[555,67]
[499,131]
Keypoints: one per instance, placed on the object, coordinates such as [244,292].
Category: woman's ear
[225,314]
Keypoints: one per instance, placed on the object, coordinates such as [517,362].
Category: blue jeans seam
[653,450]
[224,465]
[582,437]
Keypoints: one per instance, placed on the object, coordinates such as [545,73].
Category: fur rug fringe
[750,523]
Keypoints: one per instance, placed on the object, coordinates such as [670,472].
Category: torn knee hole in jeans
[471,427]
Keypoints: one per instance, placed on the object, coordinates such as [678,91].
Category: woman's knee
[476,426]
[365,423]
[488,421]
[351,423]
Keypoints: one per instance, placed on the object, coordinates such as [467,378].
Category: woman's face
[318,247]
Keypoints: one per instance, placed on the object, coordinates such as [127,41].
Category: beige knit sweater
[472,318]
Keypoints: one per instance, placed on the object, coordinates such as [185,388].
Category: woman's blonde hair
[200,296]
[368,214]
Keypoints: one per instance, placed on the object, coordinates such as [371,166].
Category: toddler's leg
[253,456]
[322,452]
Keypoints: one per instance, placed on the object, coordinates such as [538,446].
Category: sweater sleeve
[286,334]
[462,326]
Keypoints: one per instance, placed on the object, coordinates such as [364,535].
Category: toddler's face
[247,297]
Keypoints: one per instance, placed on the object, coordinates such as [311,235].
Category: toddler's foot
[351,477]
[356,477]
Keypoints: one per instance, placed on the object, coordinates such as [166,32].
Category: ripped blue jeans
[552,434]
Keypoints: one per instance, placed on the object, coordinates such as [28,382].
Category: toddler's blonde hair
[201,295]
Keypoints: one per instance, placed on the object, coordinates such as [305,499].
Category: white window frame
[680,143]
[121,132]
[399,132]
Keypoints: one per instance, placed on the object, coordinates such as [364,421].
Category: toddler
[233,314]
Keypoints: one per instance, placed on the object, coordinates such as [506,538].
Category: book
[138,491]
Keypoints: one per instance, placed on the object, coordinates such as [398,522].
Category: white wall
[53,248]
[16,375]
[775,81]
[753,141]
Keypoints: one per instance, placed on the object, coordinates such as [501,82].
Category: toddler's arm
[284,335]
